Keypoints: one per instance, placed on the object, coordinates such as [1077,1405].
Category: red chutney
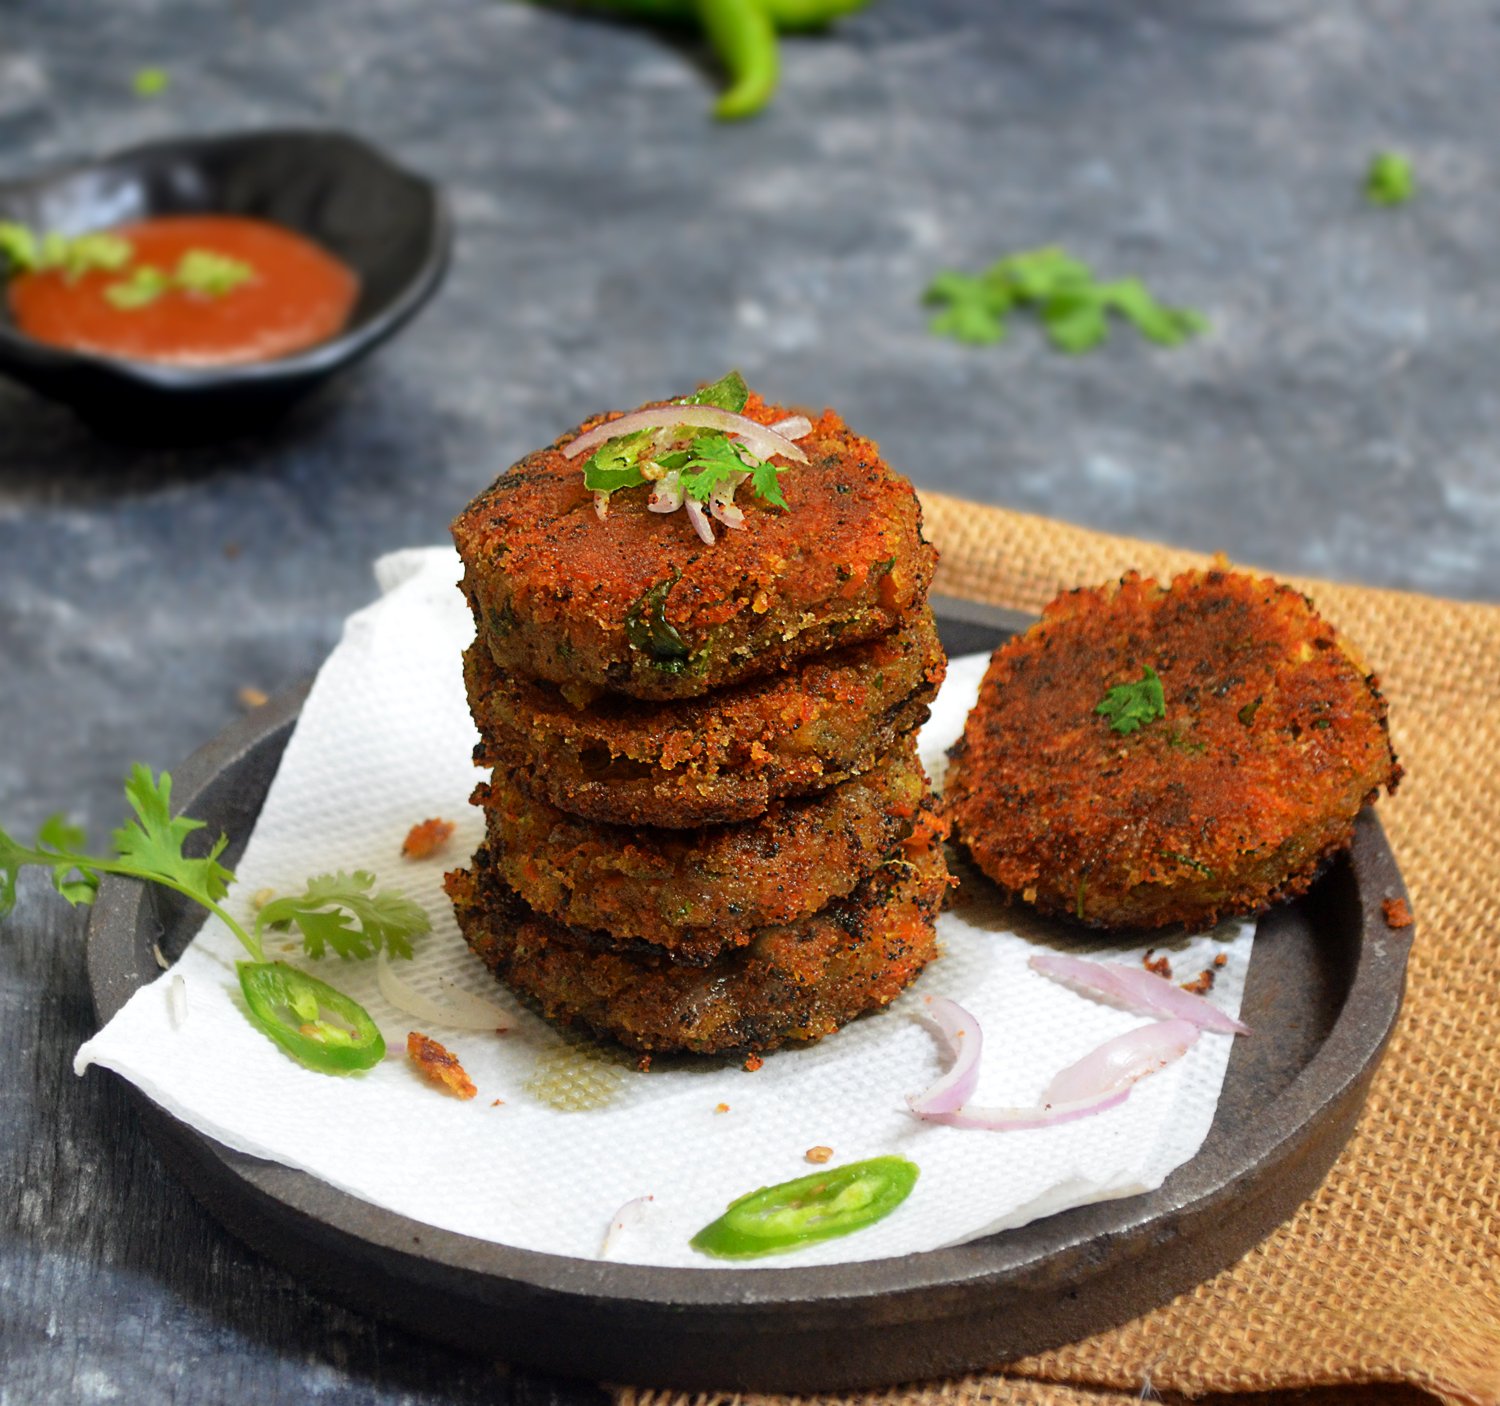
[299,296]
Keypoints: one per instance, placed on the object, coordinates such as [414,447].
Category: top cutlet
[1272,724]
[537,554]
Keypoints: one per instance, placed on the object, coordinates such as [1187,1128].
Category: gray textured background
[1342,418]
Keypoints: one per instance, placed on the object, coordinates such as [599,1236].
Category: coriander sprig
[1130,706]
[337,911]
[1074,306]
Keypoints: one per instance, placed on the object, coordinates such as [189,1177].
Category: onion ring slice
[461,1010]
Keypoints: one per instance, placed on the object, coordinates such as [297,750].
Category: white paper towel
[384,741]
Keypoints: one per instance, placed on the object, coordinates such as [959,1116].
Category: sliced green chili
[312,1021]
[817,1207]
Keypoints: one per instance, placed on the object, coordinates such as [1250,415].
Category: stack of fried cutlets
[707,826]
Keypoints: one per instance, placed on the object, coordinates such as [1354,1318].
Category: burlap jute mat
[1385,1286]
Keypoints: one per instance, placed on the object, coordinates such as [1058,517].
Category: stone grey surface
[1342,418]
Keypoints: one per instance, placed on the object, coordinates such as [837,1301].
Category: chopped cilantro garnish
[714,458]
[1389,180]
[1073,306]
[1129,706]
[213,275]
[144,286]
[75,256]
[150,82]
[199,271]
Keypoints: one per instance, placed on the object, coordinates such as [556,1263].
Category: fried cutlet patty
[798,982]
[637,604]
[713,760]
[696,892]
[1273,737]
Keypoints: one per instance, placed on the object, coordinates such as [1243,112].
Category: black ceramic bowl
[390,226]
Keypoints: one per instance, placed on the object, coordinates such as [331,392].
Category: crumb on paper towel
[1160,965]
[819,1154]
[1201,984]
[721,1108]
[439,1065]
[1397,912]
[426,839]
[752,1063]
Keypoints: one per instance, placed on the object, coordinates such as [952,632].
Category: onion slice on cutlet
[1138,990]
[765,443]
[458,1009]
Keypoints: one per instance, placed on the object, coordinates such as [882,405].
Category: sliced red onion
[666,493]
[1138,990]
[701,525]
[459,1010]
[1118,1063]
[764,443]
[1002,1120]
[793,427]
[601,505]
[721,502]
[965,1041]
[628,1215]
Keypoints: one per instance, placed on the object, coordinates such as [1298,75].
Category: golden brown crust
[696,892]
[715,760]
[1274,738]
[799,982]
[557,594]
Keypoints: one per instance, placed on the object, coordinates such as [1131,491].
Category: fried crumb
[426,839]
[1397,912]
[438,1065]
[819,1153]
[497,1103]
[752,1063]
[1160,965]
[721,1108]
[1221,959]
[1201,984]
[251,697]
[643,1063]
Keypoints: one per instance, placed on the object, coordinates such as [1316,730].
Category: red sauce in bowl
[299,295]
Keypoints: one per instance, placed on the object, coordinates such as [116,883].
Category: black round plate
[1323,991]
[390,226]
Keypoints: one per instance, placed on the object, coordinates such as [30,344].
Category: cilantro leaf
[152,843]
[1129,706]
[75,884]
[728,393]
[1074,307]
[976,307]
[764,481]
[144,286]
[713,460]
[339,911]
[1389,180]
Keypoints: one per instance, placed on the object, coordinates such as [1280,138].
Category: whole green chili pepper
[745,40]
[743,34]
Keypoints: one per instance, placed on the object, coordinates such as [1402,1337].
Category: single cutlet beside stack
[703,648]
